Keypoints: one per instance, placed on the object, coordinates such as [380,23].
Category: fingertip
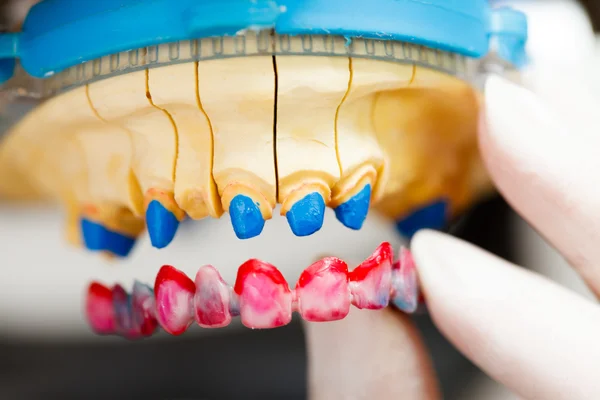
[507,320]
[542,157]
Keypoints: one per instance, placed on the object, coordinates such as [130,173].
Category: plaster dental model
[195,109]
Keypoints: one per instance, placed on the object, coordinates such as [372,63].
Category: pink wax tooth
[99,309]
[211,301]
[322,291]
[265,299]
[370,281]
[143,309]
[405,287]
[174,294]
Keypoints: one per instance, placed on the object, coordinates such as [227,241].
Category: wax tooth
[370,281]
[162,217]
[353,212]
[405,289]
[143,309]
[431,216]
[309,93]
[97,237]
[174,294]
[306,216]
[99,309]
[109,229]
[124,324]
[211,301]
[265,299]
[246,217]
[322,291]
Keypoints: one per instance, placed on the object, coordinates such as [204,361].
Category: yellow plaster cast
[42,145]
[416,143]
[75,158]
[429,136]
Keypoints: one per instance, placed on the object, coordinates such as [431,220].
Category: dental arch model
[154,111]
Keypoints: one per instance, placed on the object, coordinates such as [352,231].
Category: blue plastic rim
[59,34]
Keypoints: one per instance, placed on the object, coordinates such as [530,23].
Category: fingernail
[162,224]
[352,214]
[447,264]
[246,218]
[306,216]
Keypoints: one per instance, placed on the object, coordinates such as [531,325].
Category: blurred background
[47,351]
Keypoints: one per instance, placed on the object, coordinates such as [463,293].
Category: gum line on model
[195,109]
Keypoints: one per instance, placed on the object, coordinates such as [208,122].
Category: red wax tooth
[322,291]
[370,281]
[143,309]
[99,309]
[174,294]
[265,298]
[211,301]
[405,289]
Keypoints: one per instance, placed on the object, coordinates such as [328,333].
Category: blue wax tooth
[122,309]
[432,216]
[246,218]
[96,237]
[162,224]
[406,306]
[306,216]
[120,245]
[353,212]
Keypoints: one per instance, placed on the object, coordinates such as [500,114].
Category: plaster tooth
[362,161]
[126,101]
[238,98]
[107,153]
[310,91]
[175,90]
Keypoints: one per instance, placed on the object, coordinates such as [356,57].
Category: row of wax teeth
[260,296]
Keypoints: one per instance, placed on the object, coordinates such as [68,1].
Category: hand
[526,332]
